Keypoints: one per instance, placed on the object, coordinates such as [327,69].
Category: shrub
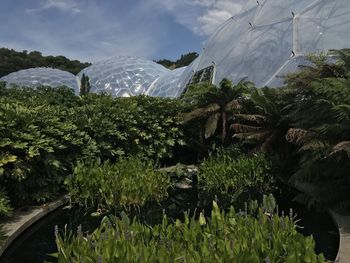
[127,184]
[44,132]
[5,208]
[229,173]
[224,237]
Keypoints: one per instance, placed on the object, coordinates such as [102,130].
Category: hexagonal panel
[35,77]
[123,76]
[267,38]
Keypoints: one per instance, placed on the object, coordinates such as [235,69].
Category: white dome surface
[168,85]
[123,76]
[268,38]
[35,77]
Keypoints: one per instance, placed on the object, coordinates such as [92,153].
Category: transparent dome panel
[188,73]
[266,36]
[324,26]
[168,85]
[260,53]
[119,76]
[35,77]
[271,12]
[292,65]
[222,42]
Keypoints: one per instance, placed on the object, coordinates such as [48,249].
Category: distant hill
[183,61]
[11,61]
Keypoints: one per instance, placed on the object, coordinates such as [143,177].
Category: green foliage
[84,85]
[264,121]
[183,61]
[37,148]
[44,132]
[307,122]
[320,117]
[212,109]
[11,61]
[5,208]
[223,237]
[129,183]
[229,173]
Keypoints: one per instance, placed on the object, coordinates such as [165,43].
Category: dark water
[318,224]
[34,245]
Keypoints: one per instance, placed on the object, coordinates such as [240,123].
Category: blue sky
[91,30]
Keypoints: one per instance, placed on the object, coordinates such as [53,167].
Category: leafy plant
[266,122]
[5,208]
[223,237]
[320,129]
[229,173]
[215,104]
[129,183]
[44,132]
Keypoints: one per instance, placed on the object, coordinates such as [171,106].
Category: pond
[35,244]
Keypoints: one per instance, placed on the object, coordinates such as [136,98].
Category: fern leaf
[241,128]
[295,135]
[211,125]
[200,112]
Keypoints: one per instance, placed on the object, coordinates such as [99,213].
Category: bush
[5,208]
[127,184]
[229,173]
[44,132]
[224,237]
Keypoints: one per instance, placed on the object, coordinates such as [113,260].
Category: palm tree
[321,121]
[215,105]
[266,122]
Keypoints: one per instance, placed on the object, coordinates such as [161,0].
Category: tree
[215,105]
[265,122]
[11,61]
[183,61]
[85,86]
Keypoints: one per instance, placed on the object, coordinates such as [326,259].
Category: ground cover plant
[251,236]
[126,185]
[230,174]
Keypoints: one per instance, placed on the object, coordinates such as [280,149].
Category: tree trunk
[224,120]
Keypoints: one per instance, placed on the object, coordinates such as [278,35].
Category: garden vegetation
[246,141]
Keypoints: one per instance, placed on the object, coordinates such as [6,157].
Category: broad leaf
[211,125]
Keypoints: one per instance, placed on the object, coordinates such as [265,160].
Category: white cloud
[201,16]
[91,30]
[63,5]
[96,33]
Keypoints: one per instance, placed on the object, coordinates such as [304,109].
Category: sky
[91,30]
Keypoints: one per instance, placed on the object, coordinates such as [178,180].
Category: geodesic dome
[123,76]
[270,38]
[35,77]
[168,85]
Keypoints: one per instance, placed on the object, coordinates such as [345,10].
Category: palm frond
[343,146]
[259,136]
[211,125]
[259,119]
[199,112]
[241,128]
[233,105]
[295,135]
[314,145]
